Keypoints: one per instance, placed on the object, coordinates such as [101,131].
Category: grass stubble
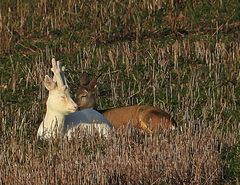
[197,80]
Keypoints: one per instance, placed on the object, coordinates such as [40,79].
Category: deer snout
[75,107]
[72,106]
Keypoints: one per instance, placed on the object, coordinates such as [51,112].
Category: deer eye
[84,94]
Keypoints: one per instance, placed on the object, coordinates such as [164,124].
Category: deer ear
[84,80]
[49,83]
[93,83]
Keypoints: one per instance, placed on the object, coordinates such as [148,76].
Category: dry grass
[188,157]
[189,83]
[146,57]
[28,26]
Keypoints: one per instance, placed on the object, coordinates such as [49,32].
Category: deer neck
[52,124]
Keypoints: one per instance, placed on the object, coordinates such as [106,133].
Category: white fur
[88,119]
[61,118]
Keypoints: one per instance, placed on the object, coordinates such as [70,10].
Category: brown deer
[144,117]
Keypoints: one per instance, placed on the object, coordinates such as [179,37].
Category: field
[182,56]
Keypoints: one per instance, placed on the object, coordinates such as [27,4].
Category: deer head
[59,99]
[85,97]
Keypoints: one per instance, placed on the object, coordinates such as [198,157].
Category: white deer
[61,117]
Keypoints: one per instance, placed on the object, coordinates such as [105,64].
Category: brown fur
[85,97]
[144,117]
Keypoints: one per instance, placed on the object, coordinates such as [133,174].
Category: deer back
[85,119]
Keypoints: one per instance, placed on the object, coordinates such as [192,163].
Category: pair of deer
[63,118]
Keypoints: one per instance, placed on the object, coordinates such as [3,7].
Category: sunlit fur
[59,100]
[61,116]
[146,118]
